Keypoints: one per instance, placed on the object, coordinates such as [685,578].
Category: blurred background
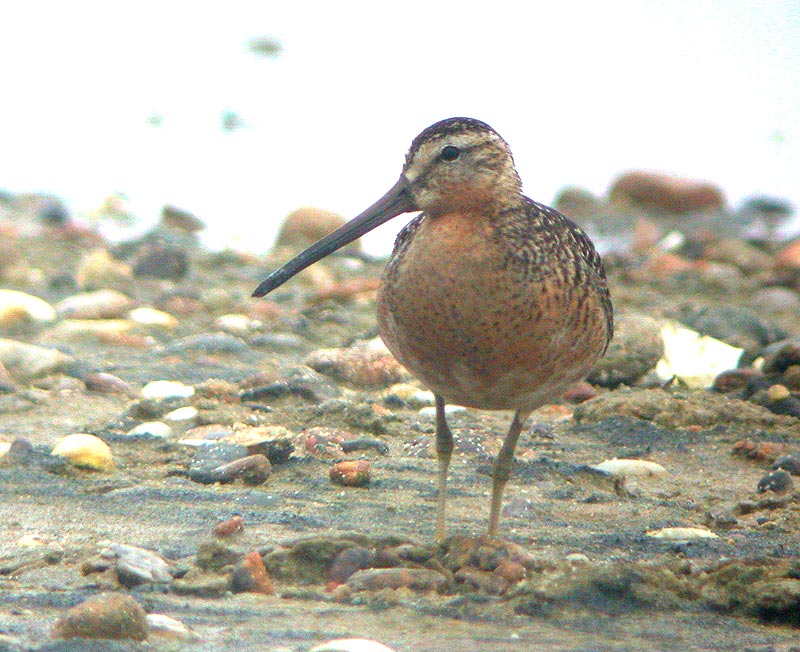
[241,113]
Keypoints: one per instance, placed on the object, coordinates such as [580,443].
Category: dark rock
[778,482]
[636,349]
[736,326]
[250,576]
[349,561]
[789,463]
[160,260]
[226,463]
[300,381]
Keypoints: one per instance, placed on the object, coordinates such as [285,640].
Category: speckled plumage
[492,300]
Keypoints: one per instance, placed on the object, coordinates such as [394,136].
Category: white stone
[18,306]
[682,533]
[167,389]
[632,468]
[151,317]
[151,428]
[182,414]
[351,645]
[696,360]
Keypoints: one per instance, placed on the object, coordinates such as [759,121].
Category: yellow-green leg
[503,465]
[444,451]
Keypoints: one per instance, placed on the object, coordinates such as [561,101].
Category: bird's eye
[449,153]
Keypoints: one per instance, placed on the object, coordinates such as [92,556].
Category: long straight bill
[395,202]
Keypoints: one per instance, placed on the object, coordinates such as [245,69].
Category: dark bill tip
[395,202]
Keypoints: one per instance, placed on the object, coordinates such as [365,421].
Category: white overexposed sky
[580,90]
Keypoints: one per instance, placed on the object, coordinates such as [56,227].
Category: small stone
[237,324]
[775,300]
[161,260]
[27,361]
[113,616]
[227,463]
[166,389]
[681,534]
[85,452]
[70,330]
[636,349]
[100,304]
[421,580]
[229,527]
[351,473]
[186,413]
[300,381]
[98,270]
[180,220]
[17,307]
[162,626]
[789,463]
[430,412]
[347,562]
[694,359]
[666,193]
[306,225]
[150,430]
[275,442]
[151,317]
[632,468]
[779,482]
[105,383]
[137,565]
[351,645]
[361,367]
[250,576]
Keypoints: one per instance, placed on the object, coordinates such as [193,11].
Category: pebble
[775,299]
[305,225]
[237,324]
[779,482]
[186,413]
[733,325]
[408,394]
[150,430]
[351,645]
[98,270]
[358,366]
[666,193]
[789,463]
[137,566]
[681,534]
[694,359]
[275,442]
[421,580]
[71,330]
[636,349]
[85,452]
[167,389]
[100,304]
[347,562]
[632,468]
[229,527]
[226,463]
[430,412]
[16,307]
[105,383]
[250,576]
[108,615]
[206,343]
[351,473]
[163,626]
[180,219]
[301,381]
[145,316]
[161,260]
[27,361]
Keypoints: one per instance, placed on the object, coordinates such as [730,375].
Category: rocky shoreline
[257,474]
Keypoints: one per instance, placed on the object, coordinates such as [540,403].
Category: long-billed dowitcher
[492,300]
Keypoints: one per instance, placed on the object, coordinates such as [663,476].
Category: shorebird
[492,300]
